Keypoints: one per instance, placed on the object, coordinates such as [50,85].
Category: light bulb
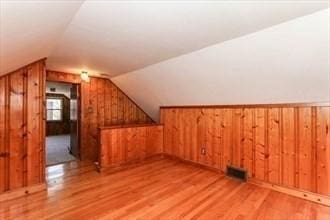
[84,76]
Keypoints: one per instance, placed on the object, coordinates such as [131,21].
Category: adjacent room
[165,109]
[61,123]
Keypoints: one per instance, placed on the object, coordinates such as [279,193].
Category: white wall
[282,64]
[29,30]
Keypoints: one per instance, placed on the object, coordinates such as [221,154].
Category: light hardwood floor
[156,189]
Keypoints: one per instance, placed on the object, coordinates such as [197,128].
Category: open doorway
[62,122]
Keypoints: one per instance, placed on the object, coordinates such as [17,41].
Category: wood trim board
[24,191]
[313,197]
[274,105]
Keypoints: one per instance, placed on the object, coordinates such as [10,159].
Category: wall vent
[237,173]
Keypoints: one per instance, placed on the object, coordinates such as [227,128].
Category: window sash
[54,109]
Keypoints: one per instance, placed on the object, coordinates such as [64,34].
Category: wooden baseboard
[125,165]
[310,196]
[16,193]
[313,197]
[193,163]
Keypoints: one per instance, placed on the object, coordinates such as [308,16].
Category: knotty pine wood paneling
[3,134]
[323,150]
[102,104]
[124,144]
[288,145]
[22,126]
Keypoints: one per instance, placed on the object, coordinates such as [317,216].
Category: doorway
[62,122]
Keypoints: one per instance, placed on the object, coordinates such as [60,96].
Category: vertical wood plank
[16,131]
[93,119]
[274,145]
[130,144]
[260,143]
[194,134]
[100,102]
[227,137]
[154,140]
[210,136]
[247,140]
[218,139]
[33,130]
[85,120]
[105,147]
[288,149]
[114,148]
[3,147]
[187,134]
[313,150]
[236,138]
[175,133]
[305,148]
[201,134]
[126,111]
[120,110]
[114,104]
[107,100]
[42,121]
[142,140]
[166,116]
[323,150]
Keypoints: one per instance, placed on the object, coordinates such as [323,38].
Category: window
[54,109]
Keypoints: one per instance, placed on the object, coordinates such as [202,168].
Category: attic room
[164,109]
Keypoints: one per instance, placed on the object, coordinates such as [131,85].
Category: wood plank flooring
[156,189]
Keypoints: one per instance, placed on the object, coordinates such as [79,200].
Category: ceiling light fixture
[84,76]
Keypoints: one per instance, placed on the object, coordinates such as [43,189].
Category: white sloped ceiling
[282,64]
[115,37]
[29,30]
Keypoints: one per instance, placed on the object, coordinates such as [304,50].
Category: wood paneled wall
[102,104]
[63,126]
[123,144]
[287,145]
[22,158]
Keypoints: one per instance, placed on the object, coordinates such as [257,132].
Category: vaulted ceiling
[286,63]
[30,30]
[116,37]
